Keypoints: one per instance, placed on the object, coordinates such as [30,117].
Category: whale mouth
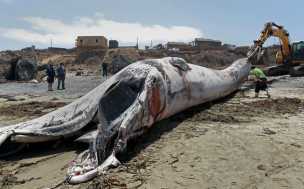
[114,103]
[111,113]
[112,110]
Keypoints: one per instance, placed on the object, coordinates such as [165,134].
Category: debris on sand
[12,99]
[29,108]
[280,105]
[268,131]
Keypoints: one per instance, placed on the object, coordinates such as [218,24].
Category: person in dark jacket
[61,75]
[105,68]
[51,76]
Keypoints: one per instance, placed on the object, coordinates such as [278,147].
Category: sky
[58,22]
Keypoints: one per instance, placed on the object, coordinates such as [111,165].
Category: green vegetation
[273,52]
[201,60]
[168,53]
[43,72]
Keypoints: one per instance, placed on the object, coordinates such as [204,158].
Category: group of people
[51,76]
[61,73]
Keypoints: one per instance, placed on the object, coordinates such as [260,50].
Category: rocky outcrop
[5,68]
[122,61]
[79,72]
[26,68]
[8,62]
[44,66]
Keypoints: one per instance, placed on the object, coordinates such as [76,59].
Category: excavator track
[293,71]
[296,71]
[276,70]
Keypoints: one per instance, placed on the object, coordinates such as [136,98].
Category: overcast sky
[239,22]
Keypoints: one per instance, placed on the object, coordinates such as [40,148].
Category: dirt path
[52,58]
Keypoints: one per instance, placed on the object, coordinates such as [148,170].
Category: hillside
[117,59]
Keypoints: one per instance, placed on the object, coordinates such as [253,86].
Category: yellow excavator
[289,58]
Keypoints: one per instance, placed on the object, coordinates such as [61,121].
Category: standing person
[51,76]
[40,60]
[61,75]
[261,83]
[105,67]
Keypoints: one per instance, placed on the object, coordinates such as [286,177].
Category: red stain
[156,100]
[163,109]
[188,98]
[156,103]
[148,91]
[186,85]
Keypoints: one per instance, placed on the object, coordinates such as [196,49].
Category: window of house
[82,41]
[97,40]
[90,41]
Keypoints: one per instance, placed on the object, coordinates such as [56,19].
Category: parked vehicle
[175,49]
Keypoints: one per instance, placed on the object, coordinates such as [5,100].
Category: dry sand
[215,145]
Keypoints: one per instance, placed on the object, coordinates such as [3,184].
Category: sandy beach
[235,142]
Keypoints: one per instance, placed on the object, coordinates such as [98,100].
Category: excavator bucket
[260,58]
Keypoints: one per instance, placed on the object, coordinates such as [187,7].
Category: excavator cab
[297,52]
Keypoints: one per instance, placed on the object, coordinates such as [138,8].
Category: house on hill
[177,45]
[92,41]
[113,44]
[208,42]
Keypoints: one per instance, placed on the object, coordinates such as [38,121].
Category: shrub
[207,58]
[222,62]
[273,52]
[143,53]
[201,60]
[43,72]
[168,53]
[111,52]
[116,54]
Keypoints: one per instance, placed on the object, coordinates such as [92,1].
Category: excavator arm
[281,33]
[289,57]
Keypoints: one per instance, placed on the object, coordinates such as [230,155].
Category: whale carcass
[125,106]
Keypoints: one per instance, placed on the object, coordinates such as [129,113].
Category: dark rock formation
[8,62]
[122,61]
[26,68]
[44,66]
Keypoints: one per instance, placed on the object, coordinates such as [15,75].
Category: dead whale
[146,92]
[124,107]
